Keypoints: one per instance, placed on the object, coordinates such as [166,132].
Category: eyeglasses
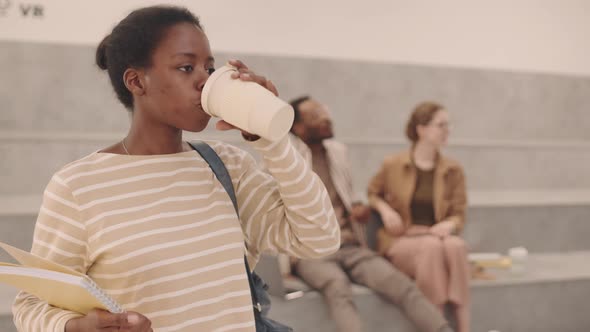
[441,125]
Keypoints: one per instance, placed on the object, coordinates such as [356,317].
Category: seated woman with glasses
[420,196]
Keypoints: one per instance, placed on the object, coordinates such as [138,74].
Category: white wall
[524,35]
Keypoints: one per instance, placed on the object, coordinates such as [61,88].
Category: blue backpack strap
[220,171]
[218,168]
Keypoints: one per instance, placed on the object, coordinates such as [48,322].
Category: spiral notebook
[60,286]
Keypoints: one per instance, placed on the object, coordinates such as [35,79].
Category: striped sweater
[160,235]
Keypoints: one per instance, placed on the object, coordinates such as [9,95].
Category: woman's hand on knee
[392,221]
[444,228]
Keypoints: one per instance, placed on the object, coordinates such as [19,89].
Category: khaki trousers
[332,276]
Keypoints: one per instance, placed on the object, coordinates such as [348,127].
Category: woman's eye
[210,71]
[186,69]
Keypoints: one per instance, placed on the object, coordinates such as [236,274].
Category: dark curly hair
[295,103]
[133,40]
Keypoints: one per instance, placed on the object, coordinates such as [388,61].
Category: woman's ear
[133,80]
[420,131]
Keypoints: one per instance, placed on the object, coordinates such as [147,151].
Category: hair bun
[101,53]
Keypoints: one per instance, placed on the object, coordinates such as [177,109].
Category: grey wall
[510,130]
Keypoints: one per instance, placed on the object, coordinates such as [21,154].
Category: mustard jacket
[396,180]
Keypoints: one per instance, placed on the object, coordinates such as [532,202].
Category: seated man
[354,261]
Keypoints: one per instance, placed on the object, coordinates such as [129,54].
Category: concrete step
[541,221]
[16,231]
[531,168]
[556,221]
[7,295]
[553,227]
[6,324]
[548,297]
[23,173]
[491,167]
[17,222]
[483,103]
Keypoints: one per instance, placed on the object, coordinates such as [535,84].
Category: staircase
[521,137]
[546,297]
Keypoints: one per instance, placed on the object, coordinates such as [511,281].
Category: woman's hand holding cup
[245,74]
[229,95]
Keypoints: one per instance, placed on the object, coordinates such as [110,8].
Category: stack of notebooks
[59,285]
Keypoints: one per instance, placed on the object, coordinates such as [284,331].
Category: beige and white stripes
[160,235]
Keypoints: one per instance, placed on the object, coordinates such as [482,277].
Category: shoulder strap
[220,171]
[218,168]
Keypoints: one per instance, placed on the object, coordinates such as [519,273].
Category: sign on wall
[21,9]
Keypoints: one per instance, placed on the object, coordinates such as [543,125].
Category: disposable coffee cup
[246,105]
